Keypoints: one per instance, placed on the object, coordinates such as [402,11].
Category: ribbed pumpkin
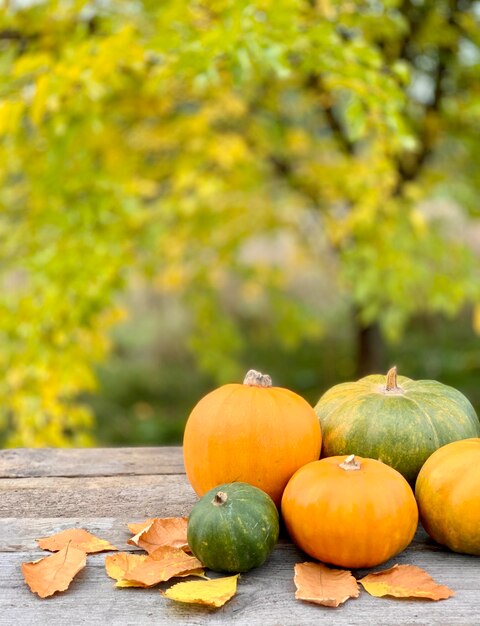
[448,495]
[349,511]
[254,433]
[397,420]
[233,528]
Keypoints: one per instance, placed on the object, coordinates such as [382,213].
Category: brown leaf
[210,592]
[137,527]
[166,531]
[119,565]
[405,581]
[320,584]
[76,538]
[55,572]
[164,563]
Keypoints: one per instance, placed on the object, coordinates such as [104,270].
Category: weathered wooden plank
[20,534]
[265,597]
[108,496]
[101,494]
[22,462]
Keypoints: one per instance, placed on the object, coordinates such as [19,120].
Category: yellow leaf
[119,566]
[210,592]
[39,103]
[55,572]
[10,116]
[77,538]
[323,585]
[405,581]
[418,221]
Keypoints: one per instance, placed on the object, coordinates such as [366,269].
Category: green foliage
[162,139]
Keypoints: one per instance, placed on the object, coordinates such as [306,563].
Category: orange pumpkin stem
[220,498]
[350,464]
[392,379]
[257,379]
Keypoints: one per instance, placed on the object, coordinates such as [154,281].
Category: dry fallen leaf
[166,531]
[119,565]
[164,563]
[123,583]
[320,584]
[405,581]
[137,527]
[76,538]
[210,592]
[55,572]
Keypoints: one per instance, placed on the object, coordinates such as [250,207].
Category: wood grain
[120,489]
[265,597]
[115,496]
[22,463]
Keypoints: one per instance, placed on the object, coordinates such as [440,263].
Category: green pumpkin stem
[392,379]
[257,379]
[220,498]
[350,464]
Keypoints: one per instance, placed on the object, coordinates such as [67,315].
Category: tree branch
[315,81]
[410,166]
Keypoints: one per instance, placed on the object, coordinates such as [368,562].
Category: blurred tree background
[192,188]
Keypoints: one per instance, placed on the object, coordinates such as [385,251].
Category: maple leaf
[405,581]
[76,538]
[162,531]
[164,563]
[209,592]
[55,572]
[322,585]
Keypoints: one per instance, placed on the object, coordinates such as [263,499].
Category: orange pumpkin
[350,511]
[448,495]
[252,433]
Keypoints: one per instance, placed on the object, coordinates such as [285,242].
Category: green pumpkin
[233,528]
[396,420]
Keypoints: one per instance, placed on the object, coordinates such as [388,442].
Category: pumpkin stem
[220,498]
[350,463]
[392,379]
[257,379]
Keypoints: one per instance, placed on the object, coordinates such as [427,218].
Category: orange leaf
[210,592]
[137,527]
[119,565]
[55,572]
[320,584]
[163,564]
[124,583]
[166,531]
[76,538]
[405,581]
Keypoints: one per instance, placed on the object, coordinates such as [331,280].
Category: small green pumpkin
[233,528]
[396,420]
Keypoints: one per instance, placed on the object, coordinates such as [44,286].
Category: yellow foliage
[210,592]
[11,112]
[174,140]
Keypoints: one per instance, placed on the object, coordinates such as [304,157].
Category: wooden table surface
[44,491]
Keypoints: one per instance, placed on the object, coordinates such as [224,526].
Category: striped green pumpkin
[397,420]
[233,527]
